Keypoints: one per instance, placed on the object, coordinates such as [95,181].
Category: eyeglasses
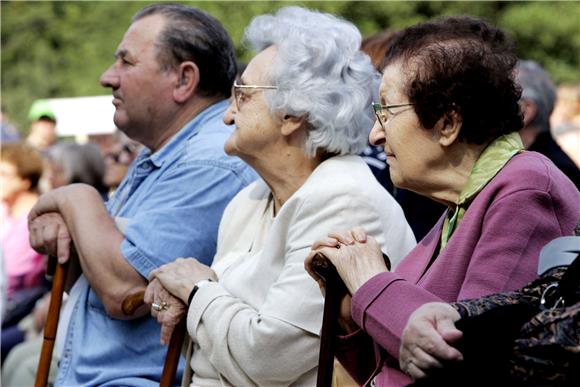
[239,91]
[384,112]
[124,156]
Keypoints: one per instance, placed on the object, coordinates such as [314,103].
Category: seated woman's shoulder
[533,170]
[346,179]
[345,171]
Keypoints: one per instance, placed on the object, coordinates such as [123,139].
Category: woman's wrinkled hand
[356,256]
[180,276]
[427,339]
[171,312]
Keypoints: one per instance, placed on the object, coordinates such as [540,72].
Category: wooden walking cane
[129,307]
[60,272]
[173,353]
[335,291]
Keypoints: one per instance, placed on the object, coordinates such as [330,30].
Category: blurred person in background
[421,212]
[65,163]
[565,121]
[20,171]
[537,103]
[2,286]
[448,118]
[118,157]
[43,127]
[70,163]
[8,131]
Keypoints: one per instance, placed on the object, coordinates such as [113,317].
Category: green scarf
[490,162]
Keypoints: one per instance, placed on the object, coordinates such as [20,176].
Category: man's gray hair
[538,87]
[321,75]
[193,35]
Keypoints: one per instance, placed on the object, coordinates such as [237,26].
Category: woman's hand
[427,337]
[356,256]
[169,310]
[180,276]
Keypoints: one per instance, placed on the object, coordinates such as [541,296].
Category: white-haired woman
[301,113]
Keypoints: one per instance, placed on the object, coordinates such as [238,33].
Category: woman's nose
[230,113]
[377,135]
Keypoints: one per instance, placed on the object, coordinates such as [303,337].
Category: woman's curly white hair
[321,75]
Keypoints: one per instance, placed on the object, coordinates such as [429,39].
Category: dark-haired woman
[447,117]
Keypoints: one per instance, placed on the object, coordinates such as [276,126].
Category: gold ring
[159,307]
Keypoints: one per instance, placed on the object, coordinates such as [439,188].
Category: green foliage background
[59,49]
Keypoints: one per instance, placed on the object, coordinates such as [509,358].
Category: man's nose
[109,78]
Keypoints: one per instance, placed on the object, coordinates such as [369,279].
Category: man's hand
[172,309]
[49,234]
[427,337]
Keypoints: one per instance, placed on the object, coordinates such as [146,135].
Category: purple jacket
[494,249]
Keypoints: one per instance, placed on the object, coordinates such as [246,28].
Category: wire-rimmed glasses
[384,112]
[239,91]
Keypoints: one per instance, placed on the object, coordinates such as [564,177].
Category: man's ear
[529,110]
[448,128]
[291,124]
[187,81]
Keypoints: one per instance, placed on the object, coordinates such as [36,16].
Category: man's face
[11,182]
[42,133]
[142,91]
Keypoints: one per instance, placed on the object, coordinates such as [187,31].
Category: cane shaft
[51,324]
[173,354]
[335,291]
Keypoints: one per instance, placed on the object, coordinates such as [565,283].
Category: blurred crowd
[30,167]
[281,215]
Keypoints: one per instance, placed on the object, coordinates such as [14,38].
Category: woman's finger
[148,296]
[359,234]
[414,371]
[325,242]
[166,332]
[344,237]
[423,360]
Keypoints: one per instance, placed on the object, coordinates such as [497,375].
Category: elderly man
[537,101]
[171,79]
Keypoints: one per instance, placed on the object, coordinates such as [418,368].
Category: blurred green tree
[59,49]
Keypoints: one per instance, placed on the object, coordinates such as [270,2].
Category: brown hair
[26,159]
[376,46]
[464,65]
